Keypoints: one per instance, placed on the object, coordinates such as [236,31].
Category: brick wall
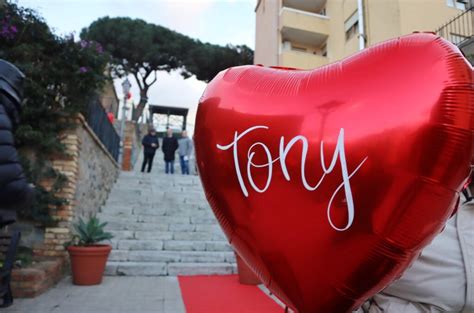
[33,281]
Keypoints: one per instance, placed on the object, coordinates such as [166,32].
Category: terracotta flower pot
[88,263]
[246,276]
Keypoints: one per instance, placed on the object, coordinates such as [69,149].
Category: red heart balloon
[329,182]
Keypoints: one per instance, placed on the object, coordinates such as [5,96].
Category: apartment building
[310,33]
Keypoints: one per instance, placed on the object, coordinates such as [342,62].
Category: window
[351,25]
[297,48]
[458,4]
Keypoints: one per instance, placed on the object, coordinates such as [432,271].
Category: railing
[459,29]
[98,121]
[283,9]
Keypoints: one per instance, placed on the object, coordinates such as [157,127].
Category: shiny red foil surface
[329,182]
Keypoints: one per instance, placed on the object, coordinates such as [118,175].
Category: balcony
[312,6]
[301,60]
[304,27]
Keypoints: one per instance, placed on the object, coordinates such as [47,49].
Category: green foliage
[24,257]
[142,48]
[90,232]
[206,60]
[136,46]
[45,200]
[61,78]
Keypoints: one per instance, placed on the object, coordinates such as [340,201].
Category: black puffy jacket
[15,192]
[169,147]
[147,141]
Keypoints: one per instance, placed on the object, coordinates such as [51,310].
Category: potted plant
[88,256]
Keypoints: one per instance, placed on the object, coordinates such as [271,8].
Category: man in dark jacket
[170,145]
[150,144]
[15,192]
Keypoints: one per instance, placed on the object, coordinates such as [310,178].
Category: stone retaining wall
[98,172]
[91,173]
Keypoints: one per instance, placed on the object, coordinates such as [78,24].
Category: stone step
[178,235]
[136,226]
[121,234]
[175,269]
[152,185]
[171,269]
[103,216]
[168,195]
[156,189]
[172,256]
[153,235]
[158,208]
[154,219]
[159,178]
[127,237]
[136,269]
[138,245]
[207,213]
[163,225]
[189,245]
[172,209]
[132,192]
[179,211]
[114,225]
[124,211]
[199,235]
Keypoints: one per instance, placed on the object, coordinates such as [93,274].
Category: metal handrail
[98,121]
[459,29]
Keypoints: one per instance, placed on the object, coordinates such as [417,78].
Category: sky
[215,21]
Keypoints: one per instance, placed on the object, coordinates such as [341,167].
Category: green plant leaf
[91,232]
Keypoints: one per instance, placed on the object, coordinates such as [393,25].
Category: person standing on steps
[150,144]
[170,144]
[185,149]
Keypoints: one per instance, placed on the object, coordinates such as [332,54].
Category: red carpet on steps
[224,294]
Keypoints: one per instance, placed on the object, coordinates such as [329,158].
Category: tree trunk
[141,105]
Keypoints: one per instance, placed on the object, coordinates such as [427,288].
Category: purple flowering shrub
[62,76]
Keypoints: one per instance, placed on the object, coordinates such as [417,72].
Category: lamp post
[126,89]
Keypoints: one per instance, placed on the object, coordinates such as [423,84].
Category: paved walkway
[114,295]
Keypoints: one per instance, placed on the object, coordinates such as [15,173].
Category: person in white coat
[442,278]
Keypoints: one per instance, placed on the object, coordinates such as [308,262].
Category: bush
[62,76]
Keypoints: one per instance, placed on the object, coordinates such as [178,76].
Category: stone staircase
[163,225]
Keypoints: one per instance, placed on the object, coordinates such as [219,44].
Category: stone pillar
[128,140]
[56,237]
